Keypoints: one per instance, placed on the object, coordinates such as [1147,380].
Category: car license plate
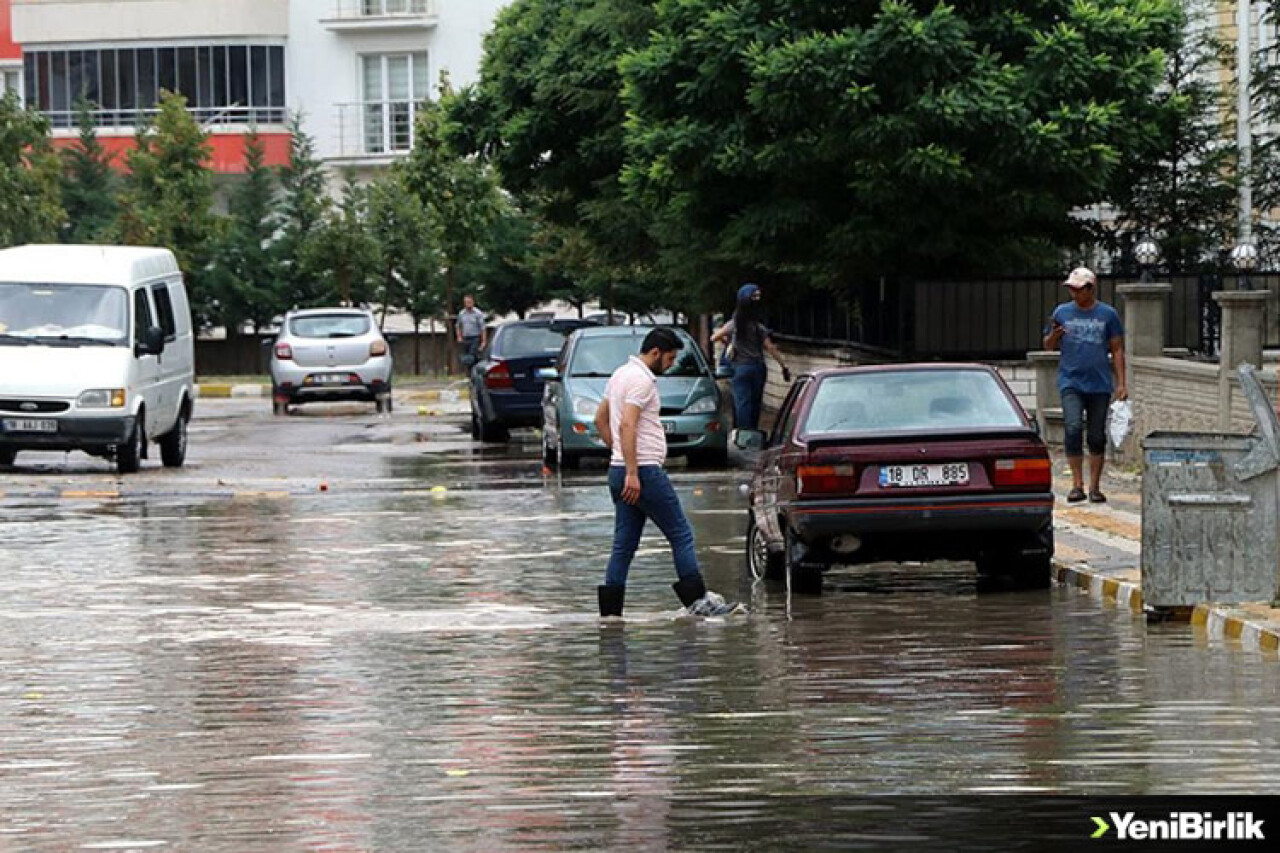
[30,425]
[913,476]
[329,378]
[668,427]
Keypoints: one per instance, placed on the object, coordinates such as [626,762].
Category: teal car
[693,409]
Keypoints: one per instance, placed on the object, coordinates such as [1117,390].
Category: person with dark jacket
[748,341]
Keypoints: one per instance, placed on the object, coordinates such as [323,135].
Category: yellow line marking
[1269,641]
[89,494]
[1110,588]
[1200,616]
[1232,627]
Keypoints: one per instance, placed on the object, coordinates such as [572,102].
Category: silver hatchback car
[330,354]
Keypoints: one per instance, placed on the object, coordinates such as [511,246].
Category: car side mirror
[548,374]
[724,371]
[152,342]
[748,439]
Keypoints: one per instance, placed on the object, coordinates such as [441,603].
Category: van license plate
[30,425]
[914,476]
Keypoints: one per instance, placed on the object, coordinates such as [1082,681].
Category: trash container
[1210,505]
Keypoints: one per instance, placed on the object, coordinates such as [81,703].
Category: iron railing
[376,128]
[358,10]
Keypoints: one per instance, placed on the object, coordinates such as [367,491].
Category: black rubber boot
[690,590]
[611,598]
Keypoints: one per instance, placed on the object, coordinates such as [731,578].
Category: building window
[393,85]
[223,84]
[11,81]
[378,8]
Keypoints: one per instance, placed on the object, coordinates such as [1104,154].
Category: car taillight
[824,479]
[498,377]
[284,352]
[1023,472]
[378,348]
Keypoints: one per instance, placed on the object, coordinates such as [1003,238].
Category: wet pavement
[344,632]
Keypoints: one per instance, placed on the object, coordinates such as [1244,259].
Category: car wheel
[492,433]
[173,444]
[129,454]
[764,563]
[806,577]
[1027,571]
[709,458]
[7,457]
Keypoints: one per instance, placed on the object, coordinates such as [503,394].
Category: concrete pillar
[1243,332]
[1045,364]
[1145,308]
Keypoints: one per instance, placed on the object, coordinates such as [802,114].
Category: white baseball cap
[1081,277]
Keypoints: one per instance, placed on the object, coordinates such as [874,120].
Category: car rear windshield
[330,326]
[517,341]
[910,401]
[63,312]
[601,355]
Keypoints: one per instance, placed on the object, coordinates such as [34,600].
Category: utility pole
[1244,115]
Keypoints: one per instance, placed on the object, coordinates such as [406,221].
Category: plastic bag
[1119,422]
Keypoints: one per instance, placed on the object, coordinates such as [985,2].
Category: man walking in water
[628,421]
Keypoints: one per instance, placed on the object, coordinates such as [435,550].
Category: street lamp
[1147,254]
[1244,257]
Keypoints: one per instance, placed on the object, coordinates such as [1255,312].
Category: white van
[96,353]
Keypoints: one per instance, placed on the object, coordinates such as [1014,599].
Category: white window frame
[14,73]
[379,118]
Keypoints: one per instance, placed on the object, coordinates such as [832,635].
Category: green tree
[1265,177]
[409,258]
[826,140]
[29,175]
[304,209]
[168,197]
[89,185]
[245,277]
[502,274]
[344,253]
[1180,187]
[548,114]
[459,193]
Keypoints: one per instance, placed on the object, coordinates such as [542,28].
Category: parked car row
[552,373]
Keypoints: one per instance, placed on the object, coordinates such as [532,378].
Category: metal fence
[994,318]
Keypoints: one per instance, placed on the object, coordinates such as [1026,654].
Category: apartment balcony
[375,132]
[363,16]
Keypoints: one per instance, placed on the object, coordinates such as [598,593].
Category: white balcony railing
[376,128]
[374,14]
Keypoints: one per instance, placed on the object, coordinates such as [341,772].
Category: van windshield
[63,313]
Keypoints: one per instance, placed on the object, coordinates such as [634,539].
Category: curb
[1217,621]
[222,390]
[448,395]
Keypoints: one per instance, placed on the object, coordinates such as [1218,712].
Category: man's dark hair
[663,340]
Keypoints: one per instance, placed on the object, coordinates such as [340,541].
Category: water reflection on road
[376,668]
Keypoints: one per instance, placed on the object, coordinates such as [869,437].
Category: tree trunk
[449,333]
[417,345]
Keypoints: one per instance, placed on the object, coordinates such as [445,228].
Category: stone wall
[1184,396]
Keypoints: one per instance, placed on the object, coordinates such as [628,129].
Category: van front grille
[34,407]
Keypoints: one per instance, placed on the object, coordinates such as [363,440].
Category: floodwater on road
[399,668]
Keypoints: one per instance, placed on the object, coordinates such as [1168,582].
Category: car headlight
[702,405]
[585,407]
[101,398]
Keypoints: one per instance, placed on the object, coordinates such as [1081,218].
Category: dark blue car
[506,391]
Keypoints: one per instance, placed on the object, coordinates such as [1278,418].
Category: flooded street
[339,632]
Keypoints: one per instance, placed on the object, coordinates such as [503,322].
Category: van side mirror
[748,439]
[152,342]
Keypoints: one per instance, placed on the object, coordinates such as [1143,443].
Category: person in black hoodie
[748,341]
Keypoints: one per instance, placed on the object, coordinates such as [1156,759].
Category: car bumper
[690,434]
[514,408]
[303,381]
[820,519]
[74,433]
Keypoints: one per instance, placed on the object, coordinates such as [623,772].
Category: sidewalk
[1099,550]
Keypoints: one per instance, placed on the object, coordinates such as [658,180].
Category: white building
[354,69]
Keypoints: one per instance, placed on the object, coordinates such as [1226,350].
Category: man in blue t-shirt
[1087,330]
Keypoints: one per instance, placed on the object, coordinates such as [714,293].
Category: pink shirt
[634,384]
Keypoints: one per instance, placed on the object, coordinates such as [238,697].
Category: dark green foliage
[31,210]
[89,186]
[246,280]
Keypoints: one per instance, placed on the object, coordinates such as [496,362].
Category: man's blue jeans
[748,393]
[658,500]
[1079,409]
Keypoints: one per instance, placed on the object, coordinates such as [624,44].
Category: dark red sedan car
[901,463]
